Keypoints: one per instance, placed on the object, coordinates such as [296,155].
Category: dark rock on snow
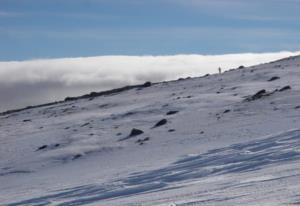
[84,124]
[257,95]
[135,132]
[273,78]
[160,123]
[226,111]
[171,112]
[77,156]
[42,147]
[285,88]
[147,84]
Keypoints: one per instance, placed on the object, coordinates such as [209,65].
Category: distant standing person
[220,70]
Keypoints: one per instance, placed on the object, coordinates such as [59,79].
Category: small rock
[171,130]
[171,112]
[27,120]
[84,124]
[285,88]
[257,95]
[138,141]
[42,147]
[146,139]
[160,123]
[77,156]
[147,84]
[273,78]
[226,111]
[297,107]
[135,132]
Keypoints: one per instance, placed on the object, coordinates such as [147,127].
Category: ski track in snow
[216,149]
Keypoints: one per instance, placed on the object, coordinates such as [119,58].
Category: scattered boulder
[257,95]
[171,130]
[77,156]
[285,88]
[84,124]
[42,147]
[171,112]
[273,78]
[147,84]
[160,123]
[135,132]
[141,141]
[103,105]
[226,111]
[27,120]
[297,107]
[93,94]
[241,67]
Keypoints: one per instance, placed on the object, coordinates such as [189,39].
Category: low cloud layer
[24,83]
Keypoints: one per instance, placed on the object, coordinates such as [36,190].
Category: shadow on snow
[237,158]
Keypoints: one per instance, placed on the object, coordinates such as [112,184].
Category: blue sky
[31,29]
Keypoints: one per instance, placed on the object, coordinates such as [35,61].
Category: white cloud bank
[24,83]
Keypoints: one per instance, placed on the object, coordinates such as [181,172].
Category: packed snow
[222,139]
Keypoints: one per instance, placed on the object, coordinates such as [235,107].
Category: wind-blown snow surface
[224,146]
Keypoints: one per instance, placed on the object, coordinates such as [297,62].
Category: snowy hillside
[223,139]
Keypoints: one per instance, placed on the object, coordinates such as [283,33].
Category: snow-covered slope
[229,139]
